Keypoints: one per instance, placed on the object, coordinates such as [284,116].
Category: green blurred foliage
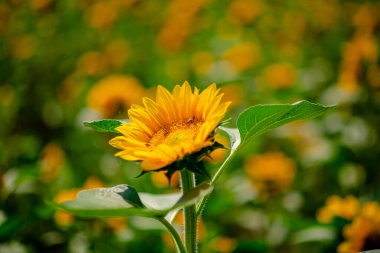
[54,54]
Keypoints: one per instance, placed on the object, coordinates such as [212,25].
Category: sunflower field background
[305,187]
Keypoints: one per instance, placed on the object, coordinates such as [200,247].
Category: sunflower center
[177,132]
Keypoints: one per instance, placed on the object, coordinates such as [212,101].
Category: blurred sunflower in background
[52,160]
[361,230]
[364,231]
[112,95]
[271,173]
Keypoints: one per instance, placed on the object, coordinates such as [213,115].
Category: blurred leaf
[123,200]
[10,227]
[105,125]
[259,119]
[315,233]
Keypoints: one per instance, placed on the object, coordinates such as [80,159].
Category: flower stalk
[175,235]
[188,182]
[226,162]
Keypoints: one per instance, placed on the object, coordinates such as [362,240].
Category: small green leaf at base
[259,119]
[105,125]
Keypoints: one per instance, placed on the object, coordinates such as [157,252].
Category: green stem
[188,182]
[175,235]
[235,144]
[226,162]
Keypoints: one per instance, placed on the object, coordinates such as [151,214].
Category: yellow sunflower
[177,124]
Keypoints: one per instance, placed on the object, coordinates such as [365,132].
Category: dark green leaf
[130,195]
[105,125]
[198,168]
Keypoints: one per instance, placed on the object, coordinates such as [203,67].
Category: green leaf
[105,125]
[106,202]
[259,119]
[194,195]
[123,200]
[233,134]
[130,195]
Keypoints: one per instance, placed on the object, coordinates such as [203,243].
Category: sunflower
[111,95]
[271,172]
[176,126]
